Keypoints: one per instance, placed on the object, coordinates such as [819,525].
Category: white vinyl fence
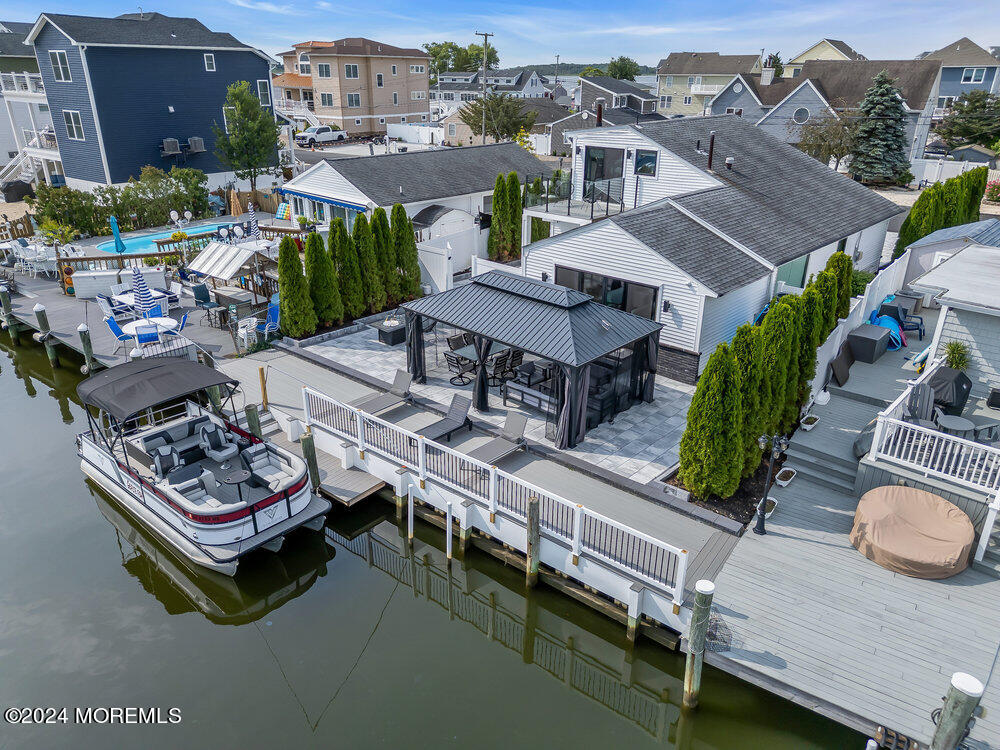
[939,170]
[481,265]
[409,132]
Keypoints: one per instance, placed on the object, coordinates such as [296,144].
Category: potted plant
[770,507]
[303,221]
[809,421]
[956,355]
[785,477]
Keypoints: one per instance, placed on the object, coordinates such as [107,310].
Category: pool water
[145,243]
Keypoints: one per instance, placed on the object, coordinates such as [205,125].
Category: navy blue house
[965,67]
[139,89]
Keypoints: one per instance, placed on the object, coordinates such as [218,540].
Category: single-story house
[546,111]
[936,247]
[973,152]
[718,216]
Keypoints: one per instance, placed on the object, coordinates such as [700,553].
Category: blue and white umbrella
[143,300]
[254,229]
[116,233]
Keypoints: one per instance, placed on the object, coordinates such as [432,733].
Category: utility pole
[557,72]
[486,49]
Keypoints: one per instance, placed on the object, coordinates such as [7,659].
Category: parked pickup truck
[319,134]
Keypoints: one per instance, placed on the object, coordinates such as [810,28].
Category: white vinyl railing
[582,530]
[21,83]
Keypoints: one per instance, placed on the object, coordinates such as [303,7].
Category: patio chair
[987,429]
[399,393]
[456,342]
[120,336]
[920,408]
[120,288]
[178,329]
[906,322]
[271,321]
[510,441]
[461,367]
[203,301]
[114,310]
[499,368]
[515,360]
[156,311]
[146,335]
[456,418]
[469,338]
[173,297]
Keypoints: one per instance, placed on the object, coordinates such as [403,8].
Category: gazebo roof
[548,320]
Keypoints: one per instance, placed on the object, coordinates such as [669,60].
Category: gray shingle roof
[12,44]
[846,49]
[777,201]
[618,86]
[548,320]
[684,63]
[985,232]
[434,174]
[151,30]
[961,53]
[698,252]
[848,80]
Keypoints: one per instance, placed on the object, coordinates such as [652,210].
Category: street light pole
[779,444]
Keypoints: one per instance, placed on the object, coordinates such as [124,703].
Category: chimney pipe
[730,160]
[600,112]
[711,148]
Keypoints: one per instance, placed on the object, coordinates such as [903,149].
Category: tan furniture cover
[912,532]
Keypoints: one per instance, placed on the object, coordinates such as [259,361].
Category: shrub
[496,243]
[514,213]
[322,279]
[712,454]
[790,408]
[746,350]
[372,290]
[168,260]
[826,285]
[345,258]
[776,348]
[385,253]
[810,332]
[54,232]
[297,316]
[956,355]
[841,265]
[405,245]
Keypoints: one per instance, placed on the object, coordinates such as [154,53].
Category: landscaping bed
[742,506]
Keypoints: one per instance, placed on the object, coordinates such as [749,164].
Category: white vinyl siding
[325,182]
[74,125]
[606,249]
[723,315]
[60,66]
[209,62]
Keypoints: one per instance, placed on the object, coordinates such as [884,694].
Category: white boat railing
[583,531]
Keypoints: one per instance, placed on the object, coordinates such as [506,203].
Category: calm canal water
[342,640]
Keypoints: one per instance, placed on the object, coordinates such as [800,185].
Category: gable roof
[617,86]
[712,63]
[848,80]
[774,92]
[961,53]
[361,47]
[985,232]
[12,41]
[138,30]
[776,201]
[845,48]
[434,174]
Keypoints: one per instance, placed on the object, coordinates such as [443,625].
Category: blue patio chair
[146,335]
[177,331]
[271,321]
[156,311]
[116,330]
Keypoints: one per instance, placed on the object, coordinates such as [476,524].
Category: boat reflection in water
[263,583]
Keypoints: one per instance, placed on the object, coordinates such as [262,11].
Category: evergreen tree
[746,350]
[348,270]
[810,329]
[404,243]
[385,252]
[880,143]
[515,212]
[495,242]
[322,279]
[373,292]
[790,411]
[776,337]
[826,285]
[712,454]
[248,144]
[944,204]
[841,265]
[297,316]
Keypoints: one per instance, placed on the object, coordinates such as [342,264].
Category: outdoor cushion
[841,364]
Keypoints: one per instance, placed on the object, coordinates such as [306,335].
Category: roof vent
[730,161]
[170,147]
[196,145]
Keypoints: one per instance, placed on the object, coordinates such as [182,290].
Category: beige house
[356,84]
[824,49]
[686,82]
[457,133]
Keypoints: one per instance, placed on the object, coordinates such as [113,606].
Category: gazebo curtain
[572,425]
[415,347]
[481,390]
[643,374]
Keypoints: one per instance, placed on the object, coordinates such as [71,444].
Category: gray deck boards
[347,486]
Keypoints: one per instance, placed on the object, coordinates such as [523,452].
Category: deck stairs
[825,454]
[991,558]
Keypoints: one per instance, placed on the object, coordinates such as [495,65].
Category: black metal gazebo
[557,324]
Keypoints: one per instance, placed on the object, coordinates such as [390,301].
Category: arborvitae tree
[371,277]
[880,143]
[826,285]
[515,212]
[405,244]
[352,290]
[746,350]
[297,316]
[944,204]
[386,255]
[841,265]
[810,330]
[322,279]
[496,242]
[712,454]
[333,242]
[790,413]
[776,338]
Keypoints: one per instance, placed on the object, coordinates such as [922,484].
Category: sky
[583,30]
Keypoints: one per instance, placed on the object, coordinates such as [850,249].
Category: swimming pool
[145,243]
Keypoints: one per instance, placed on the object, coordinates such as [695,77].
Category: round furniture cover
[912,532]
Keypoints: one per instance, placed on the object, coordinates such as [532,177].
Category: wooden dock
[348,487]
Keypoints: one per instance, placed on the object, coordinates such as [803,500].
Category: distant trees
[944,204]
[774,61]
[505,116]
[826,137]
[451,56]
[321,277]
[590,71]
[973,118]
[248,141]
[623,68]
[879,152]
[297,316]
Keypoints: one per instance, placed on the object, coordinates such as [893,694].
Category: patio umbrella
[140,292]
[254,228]
[116,233]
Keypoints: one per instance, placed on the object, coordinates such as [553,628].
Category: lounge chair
[456,418]
[399,393]
[510,441]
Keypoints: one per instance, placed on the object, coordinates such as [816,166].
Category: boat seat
[165,458]
[264,467]
[213,441]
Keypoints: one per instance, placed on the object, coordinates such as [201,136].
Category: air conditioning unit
[170,147]
[196,145]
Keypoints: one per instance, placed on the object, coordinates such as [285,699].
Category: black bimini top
[127,389]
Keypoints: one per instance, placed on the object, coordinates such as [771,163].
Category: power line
[486,51]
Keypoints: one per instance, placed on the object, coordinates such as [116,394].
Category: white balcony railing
[22,83]
[706,89]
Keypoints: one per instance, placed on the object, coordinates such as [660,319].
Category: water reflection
[263,583]
[30,364]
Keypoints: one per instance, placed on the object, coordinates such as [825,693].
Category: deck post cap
[705,586]
[82,328]
[967,684]
[39,307]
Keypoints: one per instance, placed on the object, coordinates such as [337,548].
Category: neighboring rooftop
[849,80]
[617,86]
[292,81]
[968,279]
[138,29]
[710,63]
[12,34]
[962,53]
[985,232]
[846,49]
[359,46]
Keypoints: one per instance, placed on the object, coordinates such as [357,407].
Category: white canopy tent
[224,262]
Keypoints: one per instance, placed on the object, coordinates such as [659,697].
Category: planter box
[789,475]
[773,502]
[806,424]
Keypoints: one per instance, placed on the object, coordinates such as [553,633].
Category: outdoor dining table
[161,324]
[469,351]
[956,425]
[128,298]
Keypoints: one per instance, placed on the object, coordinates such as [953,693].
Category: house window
[304,67]
[379,81]
[74,125]
[973,75]
[423,118]
[354,100]
[645,162]
[795,72]
[469,97]
[325,99]
[381,121]
[351,71]
[323,70]
[318,213]
[668,80]
[357,120]
[418,95]
[452,130]
[448,96]
[394,70]
[638,299]
[687,101]
[666,101]
[60,66]
[264,92]
[226,111]
[694,81]
[395,97]
[403,118]
[209,62]
[416,68]
[738,111]
[945,102]
[618,101]
[800,116]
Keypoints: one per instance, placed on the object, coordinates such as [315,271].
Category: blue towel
[885,321]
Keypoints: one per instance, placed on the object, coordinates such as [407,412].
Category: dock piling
[263,387]
[253,421]
[409,516]
[531,568]
[703,593]
[448,536]
[465,532]
[964,694]
[8,319]
[44,335]
[309,454]
[88,349]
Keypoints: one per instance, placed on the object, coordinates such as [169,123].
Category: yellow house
[824,49]
[686,82]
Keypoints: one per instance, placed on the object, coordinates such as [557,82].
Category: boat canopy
[127,389]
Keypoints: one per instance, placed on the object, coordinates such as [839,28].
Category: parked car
[319,134]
